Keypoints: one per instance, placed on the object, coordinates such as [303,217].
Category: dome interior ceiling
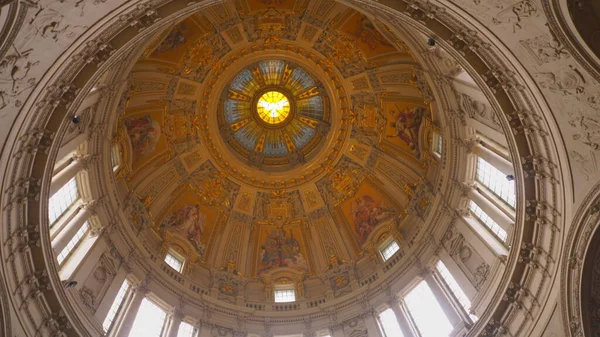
[362,176]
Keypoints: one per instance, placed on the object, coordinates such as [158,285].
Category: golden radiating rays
[273,107]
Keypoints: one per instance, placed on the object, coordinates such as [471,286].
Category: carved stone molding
[500,84]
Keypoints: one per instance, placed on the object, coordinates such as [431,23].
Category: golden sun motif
[273,107]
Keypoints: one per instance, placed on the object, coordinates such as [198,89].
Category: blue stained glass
[311,107]
[235,110]
[275,145]
[272,71]
[302,135]
[300,81]
[246,136]
[245,83]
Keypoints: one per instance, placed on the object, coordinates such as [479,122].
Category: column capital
[92,205]
[86,160]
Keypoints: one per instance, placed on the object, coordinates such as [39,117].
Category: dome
[298,168]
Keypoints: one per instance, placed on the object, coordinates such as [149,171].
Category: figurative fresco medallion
[188,221]
[192,220]
[177,37]
[367,37]
[404,121]
[281,247]
[173,47]
[367,209]
[144,133]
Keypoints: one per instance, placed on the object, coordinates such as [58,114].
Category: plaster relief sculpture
[516,13]
[545,49]
[588,165]
[565,81]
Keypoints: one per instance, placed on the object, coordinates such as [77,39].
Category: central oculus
[273,107]
[274,115]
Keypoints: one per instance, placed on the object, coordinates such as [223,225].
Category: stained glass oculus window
[274,112]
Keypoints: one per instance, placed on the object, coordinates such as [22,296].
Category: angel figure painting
[190,222]
[177,37]
[367,37]
[281,249]
[404,124]
[144,133]
[367,213]
[367,33]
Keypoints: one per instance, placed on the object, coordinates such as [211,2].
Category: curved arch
[581,255]
[576,25]
[510,94]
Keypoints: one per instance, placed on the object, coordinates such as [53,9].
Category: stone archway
[29,179]
[590,288]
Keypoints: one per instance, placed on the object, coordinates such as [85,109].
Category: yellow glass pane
[273,107]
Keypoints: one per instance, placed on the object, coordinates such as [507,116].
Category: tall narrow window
[456,290]
[485,219]
[438,144]
[116,306]
[61,200]
[174,260]
[424,309]
[389,250]
[284,295]
[115,158]
[150,320]
[496,181]
[389,324]
[186,330]
[73,243]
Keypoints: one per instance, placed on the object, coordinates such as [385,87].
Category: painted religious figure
[177,37]
[144,133]
[368,34]
[281,249]
[405,123]
[190,222]
[367,213]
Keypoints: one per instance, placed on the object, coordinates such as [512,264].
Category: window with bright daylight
[389,324]
[174,261]
[456,290]
[115,157]
[496,181]
[150,320]
[482,216]
[61,200]
[116,306]
[284,295]
[389,250]
[438,144]
[425,310]
[186,330]
[73,243]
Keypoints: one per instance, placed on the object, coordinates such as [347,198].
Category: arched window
[389,249]
[437,144]
[174,260]
[425,309]
[495,181]
[388,324]
[284,293]
[64,198]
[116,306]
[455,289]
[486,220]
[115,157]
[150,320]
[186,330]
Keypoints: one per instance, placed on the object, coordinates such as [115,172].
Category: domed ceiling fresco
[274,136]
